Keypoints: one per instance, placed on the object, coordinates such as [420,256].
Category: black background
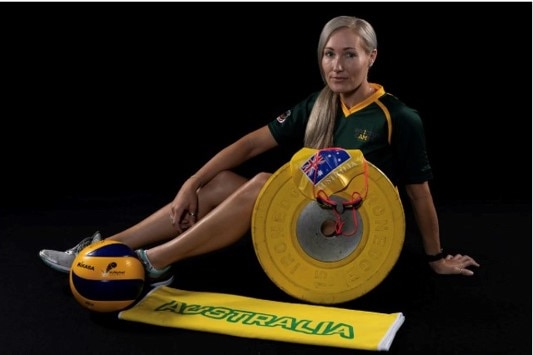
[114,98]
[107,107]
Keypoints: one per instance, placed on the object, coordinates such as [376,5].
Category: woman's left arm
[428,224]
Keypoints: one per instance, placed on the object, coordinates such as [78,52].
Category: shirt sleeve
[409,144]
[289,127]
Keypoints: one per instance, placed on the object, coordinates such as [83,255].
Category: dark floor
[489,313]
[103,100]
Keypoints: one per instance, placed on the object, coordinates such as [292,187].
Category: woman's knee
[225,183]
[260,179]
[256,183]
[219,188]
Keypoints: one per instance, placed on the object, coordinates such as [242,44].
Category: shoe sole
[53,265]
[163,283]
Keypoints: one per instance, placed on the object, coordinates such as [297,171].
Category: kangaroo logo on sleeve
[281,118]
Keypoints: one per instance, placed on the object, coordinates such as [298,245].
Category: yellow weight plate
[293,245]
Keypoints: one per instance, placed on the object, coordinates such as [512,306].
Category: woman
[213,208]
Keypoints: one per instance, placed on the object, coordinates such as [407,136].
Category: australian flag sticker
[323,162]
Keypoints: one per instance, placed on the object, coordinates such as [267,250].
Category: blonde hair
[319,130]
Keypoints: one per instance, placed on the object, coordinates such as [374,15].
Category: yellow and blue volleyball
[106,276]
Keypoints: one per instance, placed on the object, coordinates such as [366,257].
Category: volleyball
[106,276]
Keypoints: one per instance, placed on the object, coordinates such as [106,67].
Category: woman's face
[345,62]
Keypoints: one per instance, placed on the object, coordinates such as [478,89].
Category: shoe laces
[76,249]
[85,242]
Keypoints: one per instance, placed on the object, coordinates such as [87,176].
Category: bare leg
[157,228]
[224,225]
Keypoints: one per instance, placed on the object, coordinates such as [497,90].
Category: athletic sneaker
[155,277]
[62,260]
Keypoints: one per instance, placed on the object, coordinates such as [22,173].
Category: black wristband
[432,258]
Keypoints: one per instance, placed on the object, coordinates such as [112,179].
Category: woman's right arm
[245,148]
[232,156]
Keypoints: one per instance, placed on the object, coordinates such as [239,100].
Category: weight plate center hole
[328,227]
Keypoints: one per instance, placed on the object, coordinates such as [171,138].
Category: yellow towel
[262,319]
